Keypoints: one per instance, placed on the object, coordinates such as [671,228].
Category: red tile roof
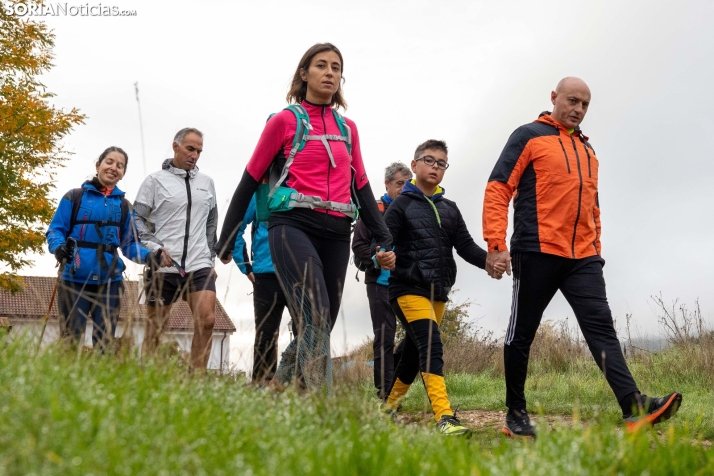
[32,302]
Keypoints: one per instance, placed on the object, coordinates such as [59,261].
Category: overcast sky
[465,72]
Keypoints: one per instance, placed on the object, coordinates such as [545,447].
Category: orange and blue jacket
[551,175]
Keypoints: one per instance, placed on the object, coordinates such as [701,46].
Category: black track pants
[384,325]
[536,278]
[311,270]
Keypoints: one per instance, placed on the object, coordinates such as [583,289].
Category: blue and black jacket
[95,260]
[259,261]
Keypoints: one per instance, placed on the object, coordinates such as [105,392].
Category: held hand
[498,270]
[386,259]
[498,262]
[251,277]
[226,260]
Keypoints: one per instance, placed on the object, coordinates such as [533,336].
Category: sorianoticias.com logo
[65,9]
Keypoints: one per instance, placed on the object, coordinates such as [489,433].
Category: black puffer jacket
[425,232]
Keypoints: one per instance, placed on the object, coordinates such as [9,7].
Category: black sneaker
[653,410]
[518,425]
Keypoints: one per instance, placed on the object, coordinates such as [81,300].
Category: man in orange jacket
[550,170]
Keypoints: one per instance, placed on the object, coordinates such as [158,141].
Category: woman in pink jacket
[317,183]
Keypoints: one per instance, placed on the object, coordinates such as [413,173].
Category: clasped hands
[497,263]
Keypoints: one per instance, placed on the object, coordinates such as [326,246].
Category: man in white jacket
[176,210]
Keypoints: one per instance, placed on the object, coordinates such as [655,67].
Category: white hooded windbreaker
[176,209]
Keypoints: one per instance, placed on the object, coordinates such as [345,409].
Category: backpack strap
[344,130]
[303,125]
[77,194]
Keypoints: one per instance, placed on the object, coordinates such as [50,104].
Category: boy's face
[430,174]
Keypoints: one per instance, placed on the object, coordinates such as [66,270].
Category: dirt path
[483,421]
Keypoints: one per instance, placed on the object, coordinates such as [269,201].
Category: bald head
[570,99]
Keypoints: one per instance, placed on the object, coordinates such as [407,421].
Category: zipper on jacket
[188,221]
[567,162]
[580,195]
[590,175]
[324,132]
[433,207]
[441,253]
[597,235]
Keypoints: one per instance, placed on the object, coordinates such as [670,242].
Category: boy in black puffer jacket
[426,227]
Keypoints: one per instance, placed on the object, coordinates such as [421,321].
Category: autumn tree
[30,133]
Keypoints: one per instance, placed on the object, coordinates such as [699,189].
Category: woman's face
[111,169]
[323,77]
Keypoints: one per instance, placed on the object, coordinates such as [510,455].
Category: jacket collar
[411,188]
[546,118]
[90,185]
[169,165]
[311,107]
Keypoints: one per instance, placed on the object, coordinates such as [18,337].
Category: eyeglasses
[429,160]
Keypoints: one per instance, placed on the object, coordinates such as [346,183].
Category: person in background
[89,227]
[384,323]
[268,298]
[176,210]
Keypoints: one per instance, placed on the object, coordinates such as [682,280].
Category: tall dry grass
[559,347]
[689,337]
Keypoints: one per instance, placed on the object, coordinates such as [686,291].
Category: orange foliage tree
[30,133]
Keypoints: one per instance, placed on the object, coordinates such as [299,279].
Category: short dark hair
[114,149]
[298,88]
[431,144]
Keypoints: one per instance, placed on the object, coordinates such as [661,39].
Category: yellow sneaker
[449,425]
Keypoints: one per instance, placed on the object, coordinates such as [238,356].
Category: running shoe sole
[665,412]
[463,431]
[506,431]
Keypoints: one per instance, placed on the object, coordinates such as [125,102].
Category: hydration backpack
[273,196]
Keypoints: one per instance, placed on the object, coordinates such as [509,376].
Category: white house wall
[184,339]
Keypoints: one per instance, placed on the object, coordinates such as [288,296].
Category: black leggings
[268,304]
[311,270]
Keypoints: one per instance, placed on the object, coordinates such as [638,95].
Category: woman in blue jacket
[88,228]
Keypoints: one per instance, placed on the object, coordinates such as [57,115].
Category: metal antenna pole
[141,127]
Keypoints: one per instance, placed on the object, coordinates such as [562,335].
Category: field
[63,413]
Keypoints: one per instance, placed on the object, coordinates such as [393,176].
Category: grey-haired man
[176,210]
[384,322]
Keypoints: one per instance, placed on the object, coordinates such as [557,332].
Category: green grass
[60,414]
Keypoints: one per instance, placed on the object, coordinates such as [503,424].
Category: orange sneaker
[653,410]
